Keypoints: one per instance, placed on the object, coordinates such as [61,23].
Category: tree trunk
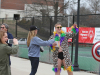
[55,12]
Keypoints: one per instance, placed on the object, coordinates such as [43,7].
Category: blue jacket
[34,47]
[9,37]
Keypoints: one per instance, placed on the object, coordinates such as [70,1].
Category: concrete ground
[20,66]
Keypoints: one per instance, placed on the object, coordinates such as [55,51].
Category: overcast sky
[82,3]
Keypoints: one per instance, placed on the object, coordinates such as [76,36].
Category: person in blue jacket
[34,43]
[5,28]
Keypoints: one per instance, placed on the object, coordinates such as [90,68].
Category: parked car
[22,41]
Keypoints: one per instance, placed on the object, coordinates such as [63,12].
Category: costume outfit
[65,51]
[5,50]
[9,37]
[34,52]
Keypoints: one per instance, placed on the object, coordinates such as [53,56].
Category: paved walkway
[20,66]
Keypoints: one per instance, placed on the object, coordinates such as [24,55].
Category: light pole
[16,17]
[76,66]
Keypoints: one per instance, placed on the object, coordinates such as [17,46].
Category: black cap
[33,28]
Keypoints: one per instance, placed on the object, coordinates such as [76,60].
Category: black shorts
[60,55]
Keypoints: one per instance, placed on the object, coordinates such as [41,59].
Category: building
[24,7]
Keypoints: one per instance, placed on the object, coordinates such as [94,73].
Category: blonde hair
[2,33]
[31,34]
[57,24]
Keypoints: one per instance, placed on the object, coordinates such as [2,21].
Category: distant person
[61,56]
[34,43]
[5,27]
[5,50]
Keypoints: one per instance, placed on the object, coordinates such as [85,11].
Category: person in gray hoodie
[34,43]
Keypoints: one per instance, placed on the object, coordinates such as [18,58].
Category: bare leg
[69,73]
[59,67]
[64,63]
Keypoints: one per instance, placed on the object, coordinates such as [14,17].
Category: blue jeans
[34,64]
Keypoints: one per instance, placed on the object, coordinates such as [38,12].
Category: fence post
[33,21]
[2,20]
[50,24]
[16,29]
[50,35]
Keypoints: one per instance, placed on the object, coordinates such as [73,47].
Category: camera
[41,49]
[10,41]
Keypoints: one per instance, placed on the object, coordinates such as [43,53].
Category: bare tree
[58,5]
[84,10]
[84,20]
[95,6]
[47,7]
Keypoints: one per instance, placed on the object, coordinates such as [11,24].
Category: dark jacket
[9,37]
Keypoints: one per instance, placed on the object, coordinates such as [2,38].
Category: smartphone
[10,41]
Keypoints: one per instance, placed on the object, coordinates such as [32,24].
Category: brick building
[11,7]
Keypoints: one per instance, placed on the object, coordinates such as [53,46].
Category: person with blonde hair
[61,56]
[5,50]
[34,43]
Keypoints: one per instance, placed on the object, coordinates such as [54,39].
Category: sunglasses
[59,27]
[2,27]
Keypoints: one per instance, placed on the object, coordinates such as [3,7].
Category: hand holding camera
[13,41]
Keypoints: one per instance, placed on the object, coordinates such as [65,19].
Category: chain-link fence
[46,24]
